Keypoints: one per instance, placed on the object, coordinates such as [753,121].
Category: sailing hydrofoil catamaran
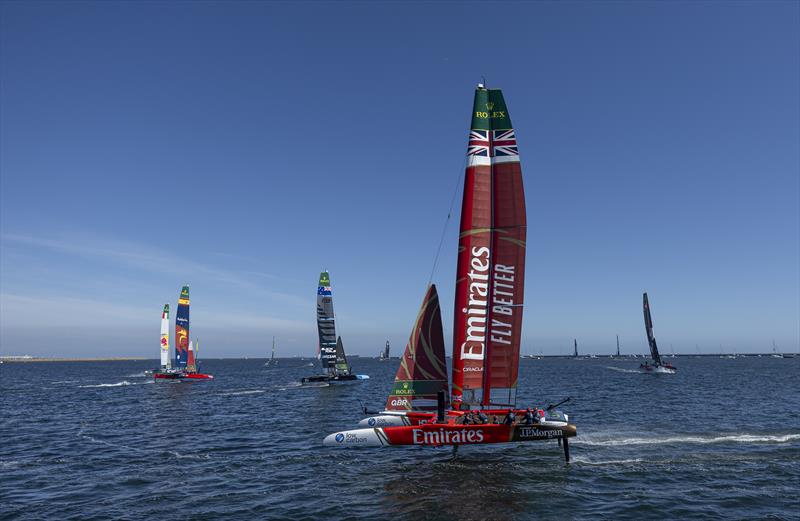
[272,360]
[185,366]
[657,366]
[330,350]
[384,355]
[488,318]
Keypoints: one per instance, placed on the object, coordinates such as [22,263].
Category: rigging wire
[447,220]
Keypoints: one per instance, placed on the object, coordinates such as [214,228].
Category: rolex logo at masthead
[489,105]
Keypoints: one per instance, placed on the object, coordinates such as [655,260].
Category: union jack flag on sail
[478,143]
[486,144]
[504,143]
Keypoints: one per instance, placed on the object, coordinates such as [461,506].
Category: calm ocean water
[721,439]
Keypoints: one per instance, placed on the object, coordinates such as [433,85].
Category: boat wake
[237,393]
[65,382]
[297,385]
[137,375]
[118,384]
[189,456]
[621,370]
[731,438]
[587,461]
[110,444]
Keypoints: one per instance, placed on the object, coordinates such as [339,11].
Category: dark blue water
[721,439]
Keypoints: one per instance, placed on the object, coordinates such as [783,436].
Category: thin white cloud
[145,258]
[17,311]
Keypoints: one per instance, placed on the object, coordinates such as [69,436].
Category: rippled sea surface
[100,440]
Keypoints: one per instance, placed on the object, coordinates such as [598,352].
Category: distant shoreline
[46,359]
[640,358]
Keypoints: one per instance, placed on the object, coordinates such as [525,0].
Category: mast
[325,324]
[491,260]
[575,343]
[182,329]
[166,362]
[423,369]
[272,358]
[648,325]
[617,346]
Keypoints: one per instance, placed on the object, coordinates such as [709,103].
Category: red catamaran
[488,317]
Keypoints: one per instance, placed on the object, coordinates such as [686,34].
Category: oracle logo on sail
[443,437]
[474,347]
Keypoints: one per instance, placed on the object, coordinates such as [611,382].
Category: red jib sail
[491,260]
[423,370]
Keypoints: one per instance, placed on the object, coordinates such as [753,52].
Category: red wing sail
[423,370]
[491,260]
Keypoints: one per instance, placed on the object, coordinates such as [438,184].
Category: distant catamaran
[185,366]
[166,360]
[272,360]
[488,317]
[658,366]
[330,350]
[385,353]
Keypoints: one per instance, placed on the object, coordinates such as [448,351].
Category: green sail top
[324,279]
[184,292]
[489,111]
[166,309]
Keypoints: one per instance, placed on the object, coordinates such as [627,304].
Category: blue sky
[243,147]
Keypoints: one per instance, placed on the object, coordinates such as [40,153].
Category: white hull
[385,420]
[355,438]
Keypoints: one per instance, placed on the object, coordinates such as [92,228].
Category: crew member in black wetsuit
[482,418]
[528,417]
[468,418]
[509,419]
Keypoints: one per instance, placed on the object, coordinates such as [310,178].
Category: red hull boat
[184,365]
[182,376]
[488,308]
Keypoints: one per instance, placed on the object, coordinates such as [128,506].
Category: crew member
[528,416]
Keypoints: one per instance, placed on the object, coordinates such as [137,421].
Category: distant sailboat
[166,360]
[384,355]
[658,366]
[185,361]
[331,350]
[618,346]
[575,345]
[272,360]
[775,353]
